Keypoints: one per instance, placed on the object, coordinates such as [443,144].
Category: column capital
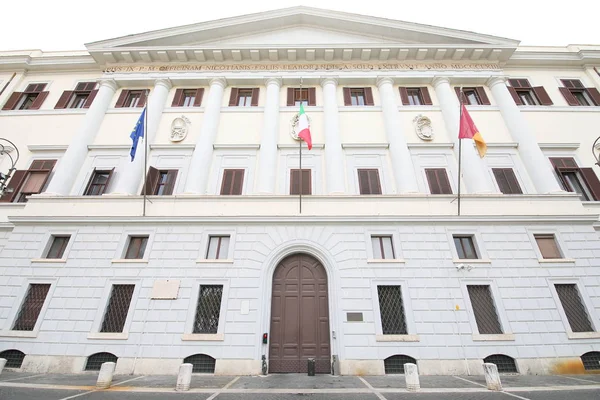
[326,80]
[439,80]
[166,82]
[495,80]
[109,83]
[275,80]
[218,82]
[384,80]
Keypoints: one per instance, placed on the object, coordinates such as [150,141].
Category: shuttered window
[391,309]
[507,181]
[31,99]
[484,309]
[31,307]
[208,309]
[577,95]
[358,96]
[415,96]
[188,97]
[573,306]
[547,245]
[218,248]
[233,180]
[525,95]
[307,96]
[82,97]
[295,182]
[160,182]
[472,96]
[368,181]
[27,182]
[132,98]
[383,249]
[246,97]
[465,247]
[437,178]
[136,247]
[58,246]
[118,308]
[583,181]
[99,182]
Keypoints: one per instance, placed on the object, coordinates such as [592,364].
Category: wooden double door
[299,316]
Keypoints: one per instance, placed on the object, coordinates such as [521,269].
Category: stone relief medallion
[294,126]
[423,127]
[179,128]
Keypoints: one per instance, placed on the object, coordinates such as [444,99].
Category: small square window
[133,98]
[300,97]
[233,181]
[472,97]
[58,246]
[368,181]
[383,248]
[244,97]
[98,182]
[78,100]
[357,96]
[548,246]
[415,98]
[26,101]
[218,248]
[465,247]
[136,247]
[189,97]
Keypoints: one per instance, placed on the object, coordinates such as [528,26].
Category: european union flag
[137,133]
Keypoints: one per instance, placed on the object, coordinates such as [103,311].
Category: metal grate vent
[591,361]
[574,308]
[118,306]
[95,361]
[32,305]
[484,309]
[395,364]
[208,309]
[14,358]
[504,363]
[391,309]
[201,363]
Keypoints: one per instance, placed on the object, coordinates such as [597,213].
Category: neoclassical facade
[202,250]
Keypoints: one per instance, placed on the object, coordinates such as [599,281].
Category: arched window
[14,358]
[504,363]
[201,363]
[395,364]
[591,361]
[95,361]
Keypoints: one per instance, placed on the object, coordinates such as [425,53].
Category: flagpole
[300,152]
[145,152]
[460,94]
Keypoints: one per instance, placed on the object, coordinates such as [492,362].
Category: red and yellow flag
[468,130]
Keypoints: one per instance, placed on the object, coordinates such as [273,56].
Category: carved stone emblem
[179,128]
[423,127]
[294,126]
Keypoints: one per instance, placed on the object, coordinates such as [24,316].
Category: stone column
[404,171]
[334,157]
[197,178]
[593,75]
[267,167]
[537,164]
[474,169]
[133,174]
[71,162]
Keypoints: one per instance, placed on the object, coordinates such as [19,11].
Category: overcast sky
[69,24]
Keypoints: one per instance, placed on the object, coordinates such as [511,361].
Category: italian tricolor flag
[304,127]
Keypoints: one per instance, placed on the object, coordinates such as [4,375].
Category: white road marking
[579,379]
[23,377]
[218,392]
[473,382]
[514,395]
[375,392]
[129,380]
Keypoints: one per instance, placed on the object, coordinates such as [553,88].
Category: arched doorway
[299,316]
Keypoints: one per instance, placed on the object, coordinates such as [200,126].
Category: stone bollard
[105,376]
[184,378]
[492,378]
[311,367]
[2,364]
[411,374]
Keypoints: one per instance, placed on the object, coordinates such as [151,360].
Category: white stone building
[377,269]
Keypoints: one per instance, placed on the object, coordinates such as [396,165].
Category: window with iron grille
[218,247]
[201,363]
[465,247]
[208,309]
[14,358]
[573,306]
[484,309]
[591,361]
[58,246]
[95,361]
[395,364]
[382,247]
[31,307]
[368,181]
[547,245]
[391,309]
[504,363]
[507,181]
[136,247]
[117,309]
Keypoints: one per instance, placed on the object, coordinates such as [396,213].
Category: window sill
[22,334]
[130,261]
[206,337]
[494,338]
[471,261]
[49,260]
[217,261]
[386,261]
[397,338]
[583,335]
[109,335]
[556,260]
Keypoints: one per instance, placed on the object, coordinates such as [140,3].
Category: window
[95,361]
[484,309]
[472,96]
[507,181]
[58,246]
[415,96]
[437,178]
[201,363]
[31,307]
[583,181]
[573,307]
[525,95]
[187,98]
[244,97]
[395,364]
[81,97]
[233,180]
[504,363]
[358,96]
[14,358]
[547,245]
[465,248]
[590,360]
[136,247]
[31,99]
[218,248]
[27,182]
[307,96]
[132,98]
[98,182]
[577,95]
[382,247]
[208,309]
[391,309]
[160,182]
[117,309]
[296,182]
[368,181]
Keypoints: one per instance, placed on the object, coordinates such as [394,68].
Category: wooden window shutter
[515,96]
[290,97]
[39,166]
[110,174]
[199,95]
[254,100]
[369,97]
[39,100]
[238,181]
[591,179]
[482,95]
[461,96]
[12,101]
[233,97]
[151,181]
[171,178]
[90,99]
[594,94]
[542,96]
[404,96]
[347,97]
[438,181]
[507,181]
[563,162]
[64,99]
[295,181]
[143,98]
[177,99]
[15,183]
[571,100]
[368,181]
[426,97]
[233,180]
[312,96]
[122,98]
